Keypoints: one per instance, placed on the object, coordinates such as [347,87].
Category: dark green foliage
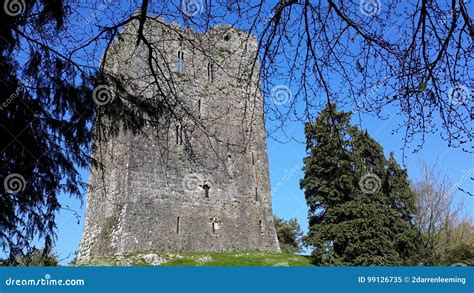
[360,204]
[74,259]
[289,235]
[47,109]
[45,128]
[462,254]
[35,257]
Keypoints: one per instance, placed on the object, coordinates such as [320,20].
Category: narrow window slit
[177,134]
[206,190]
[177,225]
[199,108]
[210,71]
[257,197]
[180,61]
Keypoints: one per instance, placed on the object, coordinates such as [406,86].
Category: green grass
[246,258]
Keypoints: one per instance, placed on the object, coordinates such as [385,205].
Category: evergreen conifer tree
[360,204]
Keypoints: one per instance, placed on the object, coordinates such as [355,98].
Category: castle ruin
[210,190]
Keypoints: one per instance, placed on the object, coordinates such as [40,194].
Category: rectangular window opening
[260,224]
[257,197]
[210,71]
[180,61]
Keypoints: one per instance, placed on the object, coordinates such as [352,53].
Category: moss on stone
[245,258]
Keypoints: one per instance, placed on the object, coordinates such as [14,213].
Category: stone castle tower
[200,183]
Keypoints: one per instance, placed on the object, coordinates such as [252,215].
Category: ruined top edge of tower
[214,31]
[222,35]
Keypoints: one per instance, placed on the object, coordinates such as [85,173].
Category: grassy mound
[247,258]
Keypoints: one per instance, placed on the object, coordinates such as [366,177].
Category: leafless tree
[441,217]
[406,58]
[412,59]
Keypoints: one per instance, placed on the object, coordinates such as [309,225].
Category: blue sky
[286,162]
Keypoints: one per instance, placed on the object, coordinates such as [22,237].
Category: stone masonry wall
[150,199]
